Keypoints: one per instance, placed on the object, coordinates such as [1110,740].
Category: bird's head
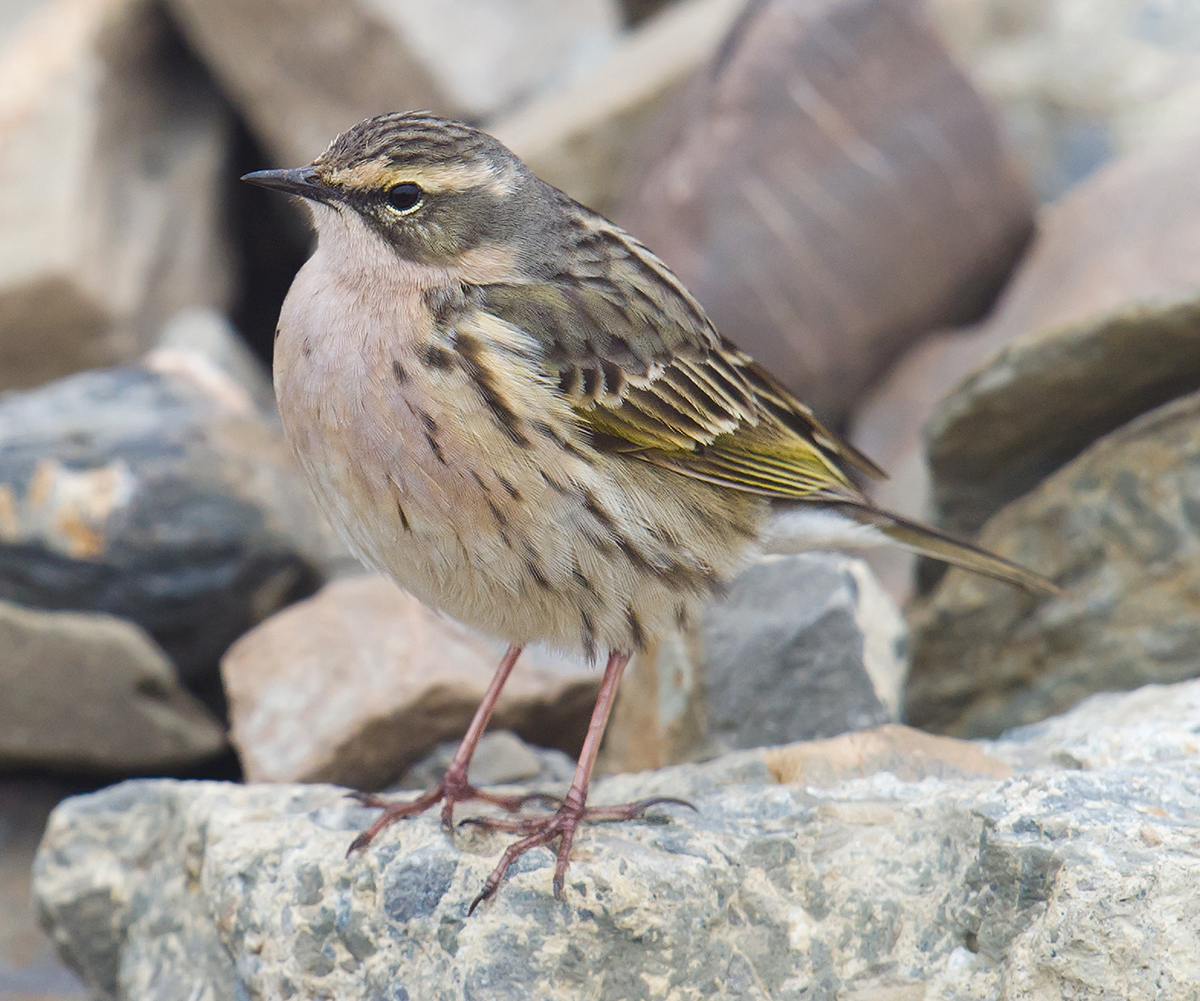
[432,189]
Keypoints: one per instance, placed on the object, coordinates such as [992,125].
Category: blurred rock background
[966,231]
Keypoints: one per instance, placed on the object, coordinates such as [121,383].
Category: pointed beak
[302,181]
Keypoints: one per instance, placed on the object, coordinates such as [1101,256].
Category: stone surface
[502,758]
[800,647]
[209,334]
[90,692]
[595,137]
[303,70]
[161,496]
[29,968]
[838,190]
[358,682]
[1079,81]
[1055,882]
[1119,529]
[1101,323]
[114,147]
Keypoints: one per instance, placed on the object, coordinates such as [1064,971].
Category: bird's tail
[929,541]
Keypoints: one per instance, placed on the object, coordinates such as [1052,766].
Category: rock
[800,647]
[1119,529]
[889,427]
[1079,83]
[163,497]
[1101,323]
[830,140]
[357,683]
[302,71]
[29,967]
[595,136]
[210,336]
[94,693]
[114,147]
[1052,883]
[502,758]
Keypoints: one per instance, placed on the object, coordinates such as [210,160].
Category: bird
[514,409]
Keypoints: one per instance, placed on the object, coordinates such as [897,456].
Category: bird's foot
[562,824]
[453,788]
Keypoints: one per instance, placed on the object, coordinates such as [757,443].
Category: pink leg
[454,787]
[564,823]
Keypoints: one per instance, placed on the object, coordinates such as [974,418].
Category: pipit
[517,411]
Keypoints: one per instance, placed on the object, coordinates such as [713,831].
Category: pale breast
[444,457]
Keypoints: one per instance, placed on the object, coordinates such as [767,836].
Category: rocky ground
[966,231]
[1056,863]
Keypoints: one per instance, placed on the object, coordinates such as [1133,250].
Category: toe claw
[358,844]
[480,897]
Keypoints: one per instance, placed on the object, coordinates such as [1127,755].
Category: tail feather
[932,542]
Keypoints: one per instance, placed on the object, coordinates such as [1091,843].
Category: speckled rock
[800,647]
[355,684]
[1054,882]
[160,494]
[1119,529]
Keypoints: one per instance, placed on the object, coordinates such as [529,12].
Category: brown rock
[1119,529]
[113,146]
[840,190]
[908,754]
[304,70]
[1101,322]
[94,692]
[355,684]
[593,137]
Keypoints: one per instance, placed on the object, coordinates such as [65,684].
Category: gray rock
[828,140]
[114,146]
[162,497]
[1119,529]
[303,70]
[1048,884]
[90,692]
[502,758]
[1078,84]
[1101,323]
[800,647]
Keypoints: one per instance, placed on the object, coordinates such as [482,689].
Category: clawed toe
[540,831]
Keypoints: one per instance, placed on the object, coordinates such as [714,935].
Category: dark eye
[403,197]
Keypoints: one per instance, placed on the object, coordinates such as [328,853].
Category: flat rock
[1077,83]
[800,647]
[1050,883]
[828,141]
[595,136]
[1119,529]
[357,683]
[125,141]
[94,693]
[160,494]
[302,71]
[1101,323]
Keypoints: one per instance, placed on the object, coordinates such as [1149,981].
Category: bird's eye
[404,197]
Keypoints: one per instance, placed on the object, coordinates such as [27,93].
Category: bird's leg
[565,821]
[454,787]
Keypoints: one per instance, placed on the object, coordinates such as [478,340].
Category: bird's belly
[497,514]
